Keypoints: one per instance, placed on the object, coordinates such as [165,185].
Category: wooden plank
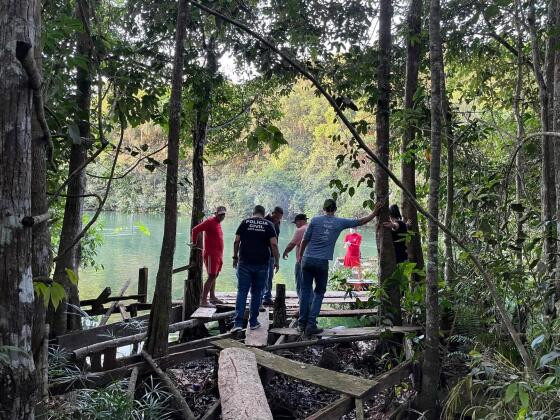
[350,331]
[111,309]
[258,337]
[335,410]
[336,381]
[77,339]
[124,314]
[87,302]
[321,342]
[203,313]
[325,313]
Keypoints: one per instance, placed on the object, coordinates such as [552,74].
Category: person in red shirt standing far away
[213,253]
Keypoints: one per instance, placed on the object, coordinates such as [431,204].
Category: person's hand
[380,203]
[276,267]
[285,255]
[235,263]
[408,223]
[388,224]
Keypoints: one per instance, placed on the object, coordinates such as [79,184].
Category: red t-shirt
[213,236]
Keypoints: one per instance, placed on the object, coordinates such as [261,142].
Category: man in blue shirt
[317,248]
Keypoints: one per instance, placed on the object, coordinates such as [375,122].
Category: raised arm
[201,227]
[373,214]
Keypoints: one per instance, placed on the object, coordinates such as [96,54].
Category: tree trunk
[386,250]
[518,114]
[408,165]
[556,148]
[41,238]
[67,318]
[156,344]
[193,285]
[449,270]
[18,33]
[427,398]
[546,93]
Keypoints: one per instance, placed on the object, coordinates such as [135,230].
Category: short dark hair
[395,212]
[329,205]
[278,210]
[259,210]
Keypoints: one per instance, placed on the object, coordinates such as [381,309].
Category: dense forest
[450,110]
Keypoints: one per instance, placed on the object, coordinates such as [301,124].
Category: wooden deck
[258,337]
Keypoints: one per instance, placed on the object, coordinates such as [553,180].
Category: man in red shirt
[212,254]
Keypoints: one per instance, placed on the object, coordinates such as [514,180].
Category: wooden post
[279,319]
[110,358]
[97,305]
[95,362]
[143,284]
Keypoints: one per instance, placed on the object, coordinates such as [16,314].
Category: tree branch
[101,204]
[131,168]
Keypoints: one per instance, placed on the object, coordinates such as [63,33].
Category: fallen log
[322,342]
[241,392]
[182,405]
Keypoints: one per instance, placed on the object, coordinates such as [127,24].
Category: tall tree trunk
[18,34]
[427,399]
[386,250]
[158,329]
[520,134]
[66,317]
[546,94]
[41,237]
[449,270]
[556,147]
[408,165]
[193,285]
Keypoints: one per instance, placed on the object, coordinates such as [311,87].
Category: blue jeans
[267,295]
[298,274]
[310,300]
[249,277]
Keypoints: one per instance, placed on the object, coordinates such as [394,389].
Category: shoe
[268,302]
[256,326]
[235,329]
[207,305]
[310,331]
[262,309]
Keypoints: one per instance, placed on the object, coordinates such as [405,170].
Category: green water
[131,241]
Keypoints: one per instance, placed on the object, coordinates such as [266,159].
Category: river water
[131,241]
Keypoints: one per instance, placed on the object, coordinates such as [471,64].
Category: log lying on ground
[321,342]
[241,392]
[182,405]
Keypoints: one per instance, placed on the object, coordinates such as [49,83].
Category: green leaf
[42,290]
[523,397]
[57,294]
[351,191]
[72,276]
[511,392]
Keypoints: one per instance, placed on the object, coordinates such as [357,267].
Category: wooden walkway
[350,331]
[355,389]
